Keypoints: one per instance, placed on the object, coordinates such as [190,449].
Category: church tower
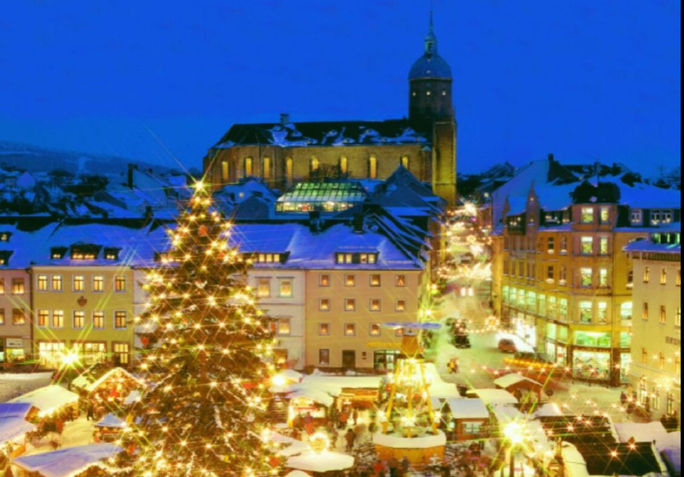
[431,111]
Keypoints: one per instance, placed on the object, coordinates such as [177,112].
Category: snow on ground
[16,384]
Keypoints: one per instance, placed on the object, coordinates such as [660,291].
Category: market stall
[14,426]
[49,401]
[108,429]
[113,386]
[65,462]
[468,418]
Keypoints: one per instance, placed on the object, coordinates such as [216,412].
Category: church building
[284,153]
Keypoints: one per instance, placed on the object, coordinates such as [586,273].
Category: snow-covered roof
[400,442]
[110,420]
[67,462]
[10,410]
[464,408]
[48,398]
[549,409]
[290,446]
[643,432]
[114,372]
[510,379]
[325,461]
[650,246]
[13,427]
[494,396]
[132,397]
[315,395]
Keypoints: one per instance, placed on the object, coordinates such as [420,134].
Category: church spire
[430,39]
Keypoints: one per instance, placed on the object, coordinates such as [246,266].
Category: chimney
[315,221]
[284,119]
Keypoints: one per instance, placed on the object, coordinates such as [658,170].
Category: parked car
[507,345]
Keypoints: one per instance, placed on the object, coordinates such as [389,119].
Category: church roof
[430,65]
[323,133]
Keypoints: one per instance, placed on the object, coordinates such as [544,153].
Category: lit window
[285,286]
[120,283]
[549,273]
[400,280]
[644,311]
[323,329]
[79,319]
[313,164]
[564,244]
[119,319]
[98,283]
[585,312]
[58,319]
[663,314]
[585,277]
[630,279]
[120,351]
[18,286]
[678,278]
[647,274]
[267,167]
[375,280]
[635,217]
[349,280]
[98,320]
[603,277]
[603,245]
[2,286]
[263,287]
[57,282]
[283,326]
[405,161]
[324,280]
[587,215]
[604,216]
[550,245]
[248,166]
[587,245]
[602,312]
[374,329]
[349,304]
[324,304]
[663,276]
[372,167]
[678,318]
[18,316]
[324,357]
[375,304]
[79,283]
[349,329]
[42,317]
[400,305]
[2,316]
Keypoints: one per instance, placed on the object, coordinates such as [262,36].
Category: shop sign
[384,344]
[14,343]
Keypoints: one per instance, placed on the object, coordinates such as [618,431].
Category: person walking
[90,410]
[350,436]
[344,416]
[355,415]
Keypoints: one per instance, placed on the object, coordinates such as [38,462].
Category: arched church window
[225,171]
[343,164]
[267,167]
[405,161]
[372,167]
[313,165]
[248,166]
[289,174]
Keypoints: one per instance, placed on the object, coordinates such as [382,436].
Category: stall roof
[9,410]
[468,408]
[13,427]
[48,398]
[325,461]
[510,379]
[67,462]
[315,395]
[112,372]
[494,396]
[110,420]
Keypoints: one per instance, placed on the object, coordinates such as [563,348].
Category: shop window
[604,215]
[384,360]
[98,283]
[78,319]
[586,245]
[625,339]
[285,287]
[79,283]
[263,287]
[663,276]
[603,277]
[51,352]
[551,331]
[56,282]
[18,316]
[349,280]
[324,304]
[324,357]
[400,305]
[644,311]
[120,319]
[349,304]
[98,320]
[58,319]
[562,334]
[92,352]
[531,301]
[603,245]
[41,283]
[647,274]
[374,304]
[541,302]
[324,280]
[119,284]
[374,329]
[399,332]
[585,311]
[400,280]
[349,329]
[324,329]
[585,277]
[375,280]
[593,365]
[587,215]
[663,315]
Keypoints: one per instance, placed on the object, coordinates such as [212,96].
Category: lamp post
[514,433]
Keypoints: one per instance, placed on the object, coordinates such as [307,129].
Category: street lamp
[514,432]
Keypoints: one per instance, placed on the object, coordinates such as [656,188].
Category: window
[603,277]
[249,166]
[324,280]
[375,280]
[541,304]
[587,215]
[42,318]
[678,278]
[50,352]
[400,280]
[324,304]
[630,279]
[224,171]
[604,215]
[313,164]
[349,280]
[57,282]
[661,361]
[602,312]
[2,286]
[663,315]
[267,167]
[98,283]
[644,311]
[663,276]
[626,310]
[661,216]
[400,305]
[323,329]
[585,277]
[283,327]
[603,245]
[374,329]
[636,217]
[586,245]
[57,319]
[98,320]
[550,244]
[374,304]
[405,161]
[119,319]
[349,304]
[2,316]
[324,357]
[399,332]
[585,312]
[289,170]
[678,318]
[372,167]
[669,403]
[563,308]
[92,351]
[644,356]
[471,428]
[78,319]
[18,316]
[343,164]
[285,287]
[564,244]
[18,286]
[120,351]
[119,283]
[349,329]
[78,284]
[647,274]
[263,287]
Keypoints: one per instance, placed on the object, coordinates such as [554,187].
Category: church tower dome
[429,85]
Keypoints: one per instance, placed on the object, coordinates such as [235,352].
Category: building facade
[15,322]
[656,342]
[285,152]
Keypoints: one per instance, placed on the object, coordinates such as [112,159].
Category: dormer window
[356,258]
[57,252]
[111,253]
[5,236]
[5,256]
[268,257]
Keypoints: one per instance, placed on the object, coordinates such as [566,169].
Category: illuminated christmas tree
[209,366]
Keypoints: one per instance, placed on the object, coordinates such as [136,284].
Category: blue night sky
[160,81]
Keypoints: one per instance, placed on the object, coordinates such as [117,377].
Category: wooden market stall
[113,386]
[14,426]
[469,417]
[108,429]
[49,401]
[65,462]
